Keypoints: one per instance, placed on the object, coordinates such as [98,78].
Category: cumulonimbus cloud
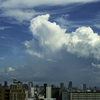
[50,37]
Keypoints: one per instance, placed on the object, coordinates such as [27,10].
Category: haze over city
[50,41]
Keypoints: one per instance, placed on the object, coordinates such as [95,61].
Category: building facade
[12,94]
[84,96]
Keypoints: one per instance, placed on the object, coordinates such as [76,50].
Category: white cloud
[8,69]
[19,9]
[49,60]
[34,53]
[97,25]
[32,3]
[96,65]
[18,14]
[51,38]
[49,35]
[85,43]
[4,27]
[2,58]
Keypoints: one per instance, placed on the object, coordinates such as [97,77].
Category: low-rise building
[84,96]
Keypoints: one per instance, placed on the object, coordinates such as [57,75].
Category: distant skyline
[50,41]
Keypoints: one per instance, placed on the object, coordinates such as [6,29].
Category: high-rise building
[70,85]
[30,84]
[81,87]
[56,93]
[0,85]
[84,87]
[45,85]
[25,86]
[48,92]
[14,80]
[65,95]
[31,91]
[61,85]
[5,84]
[16,85]
[53,86]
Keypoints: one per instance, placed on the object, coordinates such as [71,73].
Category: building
[84,87]
[56,93]
[0,85]
[70,85]
[84,96]
[65,95]
[45,85]
[48,92]
[53,86]
[16,85]
[12,94]
[25,86]
[81,87]
[31,91]
[5,84]
[61,85]
[30,84]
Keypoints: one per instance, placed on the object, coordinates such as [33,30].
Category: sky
[50,41]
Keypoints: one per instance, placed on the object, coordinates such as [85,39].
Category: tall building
[25,86]
[48,92]
[45,85]
[5,84]
[31,91]
[84,87]
[0,85]
[81,87]
[53,86]
[70,85]
[30,84]
[65,95]
[16,85]
[56,93]
[61,85]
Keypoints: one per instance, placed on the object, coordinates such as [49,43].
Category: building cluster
[20,91]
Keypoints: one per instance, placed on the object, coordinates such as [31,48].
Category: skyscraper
[0,85]
[5,84]
[25,86]
[30,84]
[84,87]
[45,85]
[61,85]
[70,85]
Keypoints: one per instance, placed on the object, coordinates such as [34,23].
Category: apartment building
[84,96]
[12,94]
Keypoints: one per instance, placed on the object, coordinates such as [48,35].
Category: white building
[31,91]
[48,92]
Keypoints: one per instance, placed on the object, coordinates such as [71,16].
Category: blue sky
[50,41]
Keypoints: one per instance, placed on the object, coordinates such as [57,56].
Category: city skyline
[50,42]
